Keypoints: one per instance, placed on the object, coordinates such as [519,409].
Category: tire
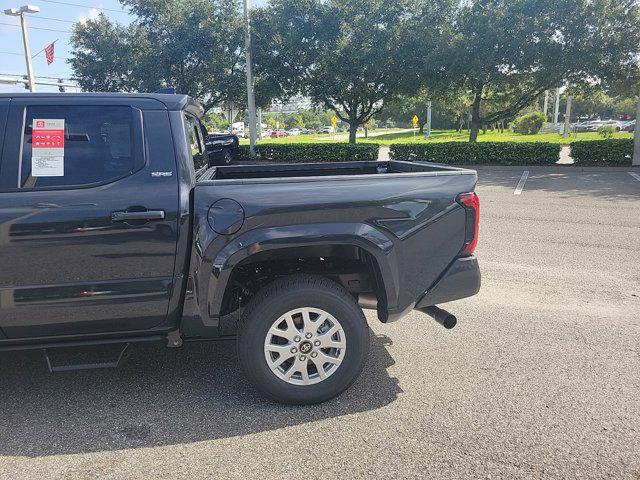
[227,157]
[328,307]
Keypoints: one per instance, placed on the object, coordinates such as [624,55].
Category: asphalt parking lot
[540,379]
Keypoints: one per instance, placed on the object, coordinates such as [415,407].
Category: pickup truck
[114,229]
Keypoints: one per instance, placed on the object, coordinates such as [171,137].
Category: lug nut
[314,354]
[308,335]
[296,338]
[317,343]
[302,358]
[294,350]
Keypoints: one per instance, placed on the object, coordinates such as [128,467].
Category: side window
[195,141]
[76,145]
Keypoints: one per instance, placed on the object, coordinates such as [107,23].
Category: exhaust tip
[444,318]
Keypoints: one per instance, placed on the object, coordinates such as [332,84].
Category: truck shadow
[159,397]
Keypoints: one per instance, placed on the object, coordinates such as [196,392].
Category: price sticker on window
[47,148]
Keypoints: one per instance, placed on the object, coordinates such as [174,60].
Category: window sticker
[47,153]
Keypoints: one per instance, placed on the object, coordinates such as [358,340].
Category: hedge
[481,153]
[612,152]
[311,152]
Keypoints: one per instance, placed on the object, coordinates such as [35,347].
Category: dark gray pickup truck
[114,229]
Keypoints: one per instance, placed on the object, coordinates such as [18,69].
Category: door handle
[124,216]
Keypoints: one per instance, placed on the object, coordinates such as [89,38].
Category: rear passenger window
[76,145]
[195,140]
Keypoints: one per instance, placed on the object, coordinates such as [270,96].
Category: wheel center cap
[306,347]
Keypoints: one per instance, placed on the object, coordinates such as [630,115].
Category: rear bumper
[460,280]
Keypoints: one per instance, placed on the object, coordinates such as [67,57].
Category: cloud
[91,15]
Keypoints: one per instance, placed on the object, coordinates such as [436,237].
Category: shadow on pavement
[613,185]
[158,397]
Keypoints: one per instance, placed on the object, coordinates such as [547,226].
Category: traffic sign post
[415,121]
[334,123]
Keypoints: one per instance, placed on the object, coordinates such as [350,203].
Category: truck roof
[170,101]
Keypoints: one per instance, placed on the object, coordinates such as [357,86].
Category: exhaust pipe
[444,318]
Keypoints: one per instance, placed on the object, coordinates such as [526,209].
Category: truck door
[88,218]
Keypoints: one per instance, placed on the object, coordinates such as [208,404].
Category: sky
[58,15]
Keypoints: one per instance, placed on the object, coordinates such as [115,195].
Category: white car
[294,132]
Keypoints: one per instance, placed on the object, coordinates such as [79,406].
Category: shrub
[606,131]
[312,152]
[612,152]
[482,153]
[529,124]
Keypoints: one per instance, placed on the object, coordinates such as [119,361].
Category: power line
[38,28]
[86,6]
[59,77]
[38,17]
[22,54]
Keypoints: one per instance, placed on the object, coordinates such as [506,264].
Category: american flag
[48,52]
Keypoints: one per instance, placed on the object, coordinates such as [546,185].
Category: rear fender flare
[254,241]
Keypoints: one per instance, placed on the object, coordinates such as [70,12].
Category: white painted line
[523,180]
[634,175]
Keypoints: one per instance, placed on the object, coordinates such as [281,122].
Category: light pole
[636,140]
[20,12]
[251,100]
[428,134]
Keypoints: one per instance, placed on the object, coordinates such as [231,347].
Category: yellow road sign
[334,121]
[415,120]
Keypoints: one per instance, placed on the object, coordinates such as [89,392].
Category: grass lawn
[378,136]
[507,136]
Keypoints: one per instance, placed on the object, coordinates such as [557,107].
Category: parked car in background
[278,134]
[628,125]
[294,132]
[222,148]
[325,130]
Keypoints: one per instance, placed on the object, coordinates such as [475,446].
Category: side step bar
[55,368]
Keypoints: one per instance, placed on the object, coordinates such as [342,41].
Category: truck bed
[333,169]
[405,214]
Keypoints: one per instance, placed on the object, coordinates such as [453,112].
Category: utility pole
[556,110]
[636,140]
[251,100]
[545,107]
[567,117]
[20,12]
[428,134]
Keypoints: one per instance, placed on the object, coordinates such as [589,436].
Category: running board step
[55,353]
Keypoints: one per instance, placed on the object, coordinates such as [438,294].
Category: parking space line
[634,175]
[523,180]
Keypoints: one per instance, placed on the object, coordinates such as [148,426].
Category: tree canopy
[192,45]
[507,52]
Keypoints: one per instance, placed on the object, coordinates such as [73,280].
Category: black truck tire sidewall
[288,294]
[227,157]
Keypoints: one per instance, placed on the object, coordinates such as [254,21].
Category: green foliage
[529,124]
[606,131]
[312,152]
[482,153]
[506,53]
[348,55]
[192,45]
[215,121]
[613,152]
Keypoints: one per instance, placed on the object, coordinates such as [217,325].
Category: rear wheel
[227,157]
[303,339]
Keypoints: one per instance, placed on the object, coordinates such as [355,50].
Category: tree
[348,55]
[192,45]
[514,50]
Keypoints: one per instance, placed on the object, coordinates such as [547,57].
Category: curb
[550,169]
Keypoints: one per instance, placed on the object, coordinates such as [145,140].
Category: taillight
[471,204]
